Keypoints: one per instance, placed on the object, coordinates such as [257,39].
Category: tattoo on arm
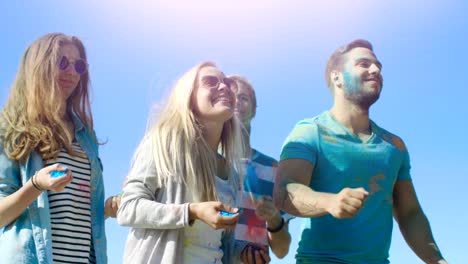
[297,199]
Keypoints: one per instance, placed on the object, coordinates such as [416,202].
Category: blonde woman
[179,183]
[46,128]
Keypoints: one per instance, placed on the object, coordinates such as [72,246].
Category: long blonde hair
[179,149]
[31,119]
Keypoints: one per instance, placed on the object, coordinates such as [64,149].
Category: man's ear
[336,78]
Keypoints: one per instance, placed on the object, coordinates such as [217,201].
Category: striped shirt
[70,211]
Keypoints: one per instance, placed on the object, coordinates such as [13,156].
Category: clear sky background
[137,49]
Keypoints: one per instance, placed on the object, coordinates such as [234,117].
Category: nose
[237,103]
[374,69]
[70,70]
[223,87]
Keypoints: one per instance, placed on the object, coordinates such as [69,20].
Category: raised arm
[413,223]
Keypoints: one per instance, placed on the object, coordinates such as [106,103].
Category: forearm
[279,241]
[139,209]
[144,213]
[14,205]
[417,233]
[300,200]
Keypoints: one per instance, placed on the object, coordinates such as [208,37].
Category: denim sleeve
[10,178]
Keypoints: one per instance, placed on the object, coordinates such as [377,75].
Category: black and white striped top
[70,212]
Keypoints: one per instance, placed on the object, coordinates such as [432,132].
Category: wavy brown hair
[31,119]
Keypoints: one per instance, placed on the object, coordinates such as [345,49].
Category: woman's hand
[266,209]
[47,182]
[209,212]
[255,254]
[111,206]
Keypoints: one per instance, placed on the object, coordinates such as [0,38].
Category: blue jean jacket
[28,238]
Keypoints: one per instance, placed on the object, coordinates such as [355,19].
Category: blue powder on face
[350,82]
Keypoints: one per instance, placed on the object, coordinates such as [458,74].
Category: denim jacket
[28,238]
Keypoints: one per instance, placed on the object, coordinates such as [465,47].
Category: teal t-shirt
[341,159]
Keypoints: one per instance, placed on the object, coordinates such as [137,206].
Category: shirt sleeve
[139,206]
[404,171]
[301,142]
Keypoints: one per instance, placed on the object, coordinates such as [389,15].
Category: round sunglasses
[79,65]
[212,81]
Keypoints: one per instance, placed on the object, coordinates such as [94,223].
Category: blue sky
[138,48]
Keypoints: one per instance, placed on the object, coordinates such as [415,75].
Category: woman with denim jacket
[51,186]
[179,184]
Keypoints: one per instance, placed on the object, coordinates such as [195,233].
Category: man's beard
[361,98]
[354,92]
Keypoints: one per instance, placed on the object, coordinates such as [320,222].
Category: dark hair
[335,61]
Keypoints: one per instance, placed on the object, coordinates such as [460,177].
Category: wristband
[34,183]
[277,229]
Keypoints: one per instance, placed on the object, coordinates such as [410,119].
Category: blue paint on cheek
[350,82]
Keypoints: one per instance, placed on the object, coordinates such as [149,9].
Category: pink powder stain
[85,189]
[252,222]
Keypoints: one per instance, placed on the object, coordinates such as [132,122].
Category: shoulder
[389,137]
[305,131]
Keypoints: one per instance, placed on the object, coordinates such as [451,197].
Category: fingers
[66,179]
[56,166]
[115,202]
[224,207]
[52,167]
[258,257]
[266,209]
[255,253]
[348,202]
[265,202]
[359,193]
[244,254]
[353,202]
[111,206]
[265,257]
[107,207]
[58,184]
[210,213]
[228,222]
[250,255]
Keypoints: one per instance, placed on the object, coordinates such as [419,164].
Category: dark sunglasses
[212,81]
[79,65]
